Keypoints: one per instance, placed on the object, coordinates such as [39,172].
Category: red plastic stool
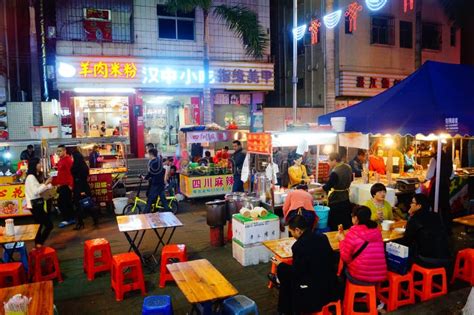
[288,261]
[464,267]
[13,271]
[44,265]
[392,293]
[126,280]
[93,264]
[334,306]
[350,298]
[173,251]
[426,286]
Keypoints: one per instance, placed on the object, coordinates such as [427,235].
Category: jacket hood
[370,235]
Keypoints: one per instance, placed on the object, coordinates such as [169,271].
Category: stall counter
[205,186]
[13,201]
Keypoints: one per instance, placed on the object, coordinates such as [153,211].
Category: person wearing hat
[297,172]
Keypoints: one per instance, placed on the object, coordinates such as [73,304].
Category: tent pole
[437,174]
[317,164]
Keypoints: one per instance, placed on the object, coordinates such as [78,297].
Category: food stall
[197,180]
[12,177]
[111,169]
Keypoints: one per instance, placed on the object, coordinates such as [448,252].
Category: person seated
[206,160]
[310,282]
[380,208]
[376,162]
[357,163]
[297,173]
[222,154]
[300,202]
[362,249]
[426,236]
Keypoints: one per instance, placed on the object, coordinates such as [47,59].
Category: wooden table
[158,222]
[201,283]
[23,233]
[467,220]
[40,292]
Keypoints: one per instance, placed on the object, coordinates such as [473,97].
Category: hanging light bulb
[375,5]
[332,19]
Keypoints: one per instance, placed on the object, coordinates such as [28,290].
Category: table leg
[204,308]
[160,239]
[133,246]
[134,238]
[141,238]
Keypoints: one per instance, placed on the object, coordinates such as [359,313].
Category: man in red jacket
[64,181]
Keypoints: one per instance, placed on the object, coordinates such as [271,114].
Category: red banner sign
[259,143]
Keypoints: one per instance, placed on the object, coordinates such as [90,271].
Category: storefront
[149,100]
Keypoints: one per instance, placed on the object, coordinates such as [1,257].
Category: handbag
[86,202]
[49,194]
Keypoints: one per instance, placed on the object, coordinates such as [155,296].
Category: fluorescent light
[105,90]
[290,139]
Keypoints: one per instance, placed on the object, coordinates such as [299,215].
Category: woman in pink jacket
[362,249]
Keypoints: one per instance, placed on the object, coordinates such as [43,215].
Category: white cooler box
[248,231]
[248,255]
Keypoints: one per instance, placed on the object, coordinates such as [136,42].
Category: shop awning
[437,98]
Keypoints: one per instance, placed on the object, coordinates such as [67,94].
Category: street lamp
[298,33]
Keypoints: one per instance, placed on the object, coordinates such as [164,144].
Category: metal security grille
[95,20]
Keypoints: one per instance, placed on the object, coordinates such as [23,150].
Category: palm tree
[241,20]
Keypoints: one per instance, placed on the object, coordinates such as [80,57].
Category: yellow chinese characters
[104,70]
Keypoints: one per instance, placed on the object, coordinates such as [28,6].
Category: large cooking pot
[251,202]
[235,202]
[216,213]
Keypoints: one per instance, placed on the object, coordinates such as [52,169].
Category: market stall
[210,177]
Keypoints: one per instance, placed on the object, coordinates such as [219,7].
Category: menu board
[259,143]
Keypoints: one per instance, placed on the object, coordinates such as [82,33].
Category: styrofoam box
[248,255]
[256,231]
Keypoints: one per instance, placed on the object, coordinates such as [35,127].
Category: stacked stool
[426,288]
[93,264]
[20,248]
[13,271]
[392,293]
[157,305]
[120,264]
[44,265]
[173,251]
[239,305]
[464,266]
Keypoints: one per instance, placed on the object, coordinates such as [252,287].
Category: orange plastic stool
[335,306]
[126,280]
[44,265]
[426,286]
[464,267]
[173,251]
[13,271]
[392,293]
[350,299]
[93,264]
[288,261]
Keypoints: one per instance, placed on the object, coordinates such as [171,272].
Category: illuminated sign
[81,72]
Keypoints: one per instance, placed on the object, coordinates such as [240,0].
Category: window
[406,34]
[431,36]
[382,30]
[347,24]
[179,25]
[452,38]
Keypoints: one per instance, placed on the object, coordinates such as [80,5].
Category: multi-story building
[350,64]
[138,67]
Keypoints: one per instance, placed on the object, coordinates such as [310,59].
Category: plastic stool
[90,260]
[13,271]
[173,251]
[392,294]
[350,298]
[425,288]
[157,305]
[44,265]
[273,270]
[239,305]
[464,266]
[20,248]
[118,276]
[333,308]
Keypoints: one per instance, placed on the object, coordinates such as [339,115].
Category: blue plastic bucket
[323,213]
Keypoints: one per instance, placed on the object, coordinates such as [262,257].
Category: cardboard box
[248,255]
[248,231]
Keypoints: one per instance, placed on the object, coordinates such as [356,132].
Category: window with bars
[382,30]
[431,36]
[177,25]
[95,20]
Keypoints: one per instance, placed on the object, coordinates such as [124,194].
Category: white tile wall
[224,44]
[20,118]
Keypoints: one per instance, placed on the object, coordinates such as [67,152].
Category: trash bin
[216,213]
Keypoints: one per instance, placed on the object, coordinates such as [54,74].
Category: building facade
[352,62]
[139,69]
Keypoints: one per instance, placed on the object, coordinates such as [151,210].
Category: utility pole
[295,58]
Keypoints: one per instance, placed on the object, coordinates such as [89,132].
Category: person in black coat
[81,189]
[310,282]
[426,236]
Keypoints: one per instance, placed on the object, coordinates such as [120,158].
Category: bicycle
[138,205]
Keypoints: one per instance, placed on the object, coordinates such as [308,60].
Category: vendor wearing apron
[338,189]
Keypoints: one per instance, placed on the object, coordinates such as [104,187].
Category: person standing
[80,173]
[28,154]
[102,129]
[297,173]
[300,202]
[94,157]
[222,154]
[33,189]
[338,185]
[238,159]
[65,183]
[310,282]
[278,160]
[156,176]
[357,163]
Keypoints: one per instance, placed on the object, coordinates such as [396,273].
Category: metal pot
[251,202]
[216,213]
[234,204]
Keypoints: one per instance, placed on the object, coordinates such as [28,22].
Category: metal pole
[295,44]
[7,51]
[437,174]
